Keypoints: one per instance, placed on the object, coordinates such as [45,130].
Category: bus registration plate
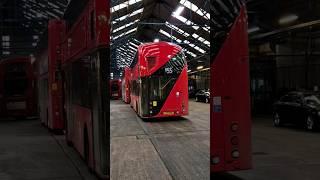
[168,113]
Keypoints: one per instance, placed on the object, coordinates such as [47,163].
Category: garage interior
[284,57]
[161,148]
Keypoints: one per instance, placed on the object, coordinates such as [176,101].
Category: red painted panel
[82,120]
[55,116]
[102,22]
[126,86]
[177,104]
[230,106]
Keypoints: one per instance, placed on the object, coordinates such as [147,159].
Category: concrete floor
[29,152]
[281,154]
[159,149]
[177,149]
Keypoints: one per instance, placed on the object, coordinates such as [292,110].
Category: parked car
[203,95]
[300,108]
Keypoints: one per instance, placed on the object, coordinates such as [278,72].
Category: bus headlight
[177,94]
[235,154]
[215,160]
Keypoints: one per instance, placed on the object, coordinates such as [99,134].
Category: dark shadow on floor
[166,119]
[224,176]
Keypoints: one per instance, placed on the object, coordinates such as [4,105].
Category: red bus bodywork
[115,89]
[230,106]
[159,81]
[17,88]
[85,58]
[126,86]
[49,81]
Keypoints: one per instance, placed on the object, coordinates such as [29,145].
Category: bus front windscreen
[15,79]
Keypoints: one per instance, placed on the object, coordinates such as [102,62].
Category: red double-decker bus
[126,86]
[17,88]
[159,81]
[115,89]
[230,138]
[50,90]
[84,71]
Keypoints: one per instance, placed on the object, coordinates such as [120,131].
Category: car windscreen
[312,99]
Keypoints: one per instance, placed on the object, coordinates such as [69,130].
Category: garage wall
[201,79]
[297,69]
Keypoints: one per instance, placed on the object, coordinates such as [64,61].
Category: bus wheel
[69,143]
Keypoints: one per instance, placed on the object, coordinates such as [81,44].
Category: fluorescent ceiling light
[253,29]
[6,52]
[189,70]
[178,11]
[200,67]
[288,19]
[156,40]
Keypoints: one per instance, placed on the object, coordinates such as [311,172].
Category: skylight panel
[126,33]
[128,15]
[53,5]
[124,5]
[186,21]
[124,26]
[170,36]
[195,8]
[5,44]
[6,52]
[195,35]
[190,53]
[5,38]
[133,44]
[180,31]
[199,49]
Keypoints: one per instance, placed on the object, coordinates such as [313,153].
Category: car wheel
[197,99]
[207,100]
[310,124]
[276,120]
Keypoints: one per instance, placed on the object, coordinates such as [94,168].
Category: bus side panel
[31,91]
[56,121]
[83,130]
[230,106]
[43,99]
[1,92]
[102,20]
[100,112]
